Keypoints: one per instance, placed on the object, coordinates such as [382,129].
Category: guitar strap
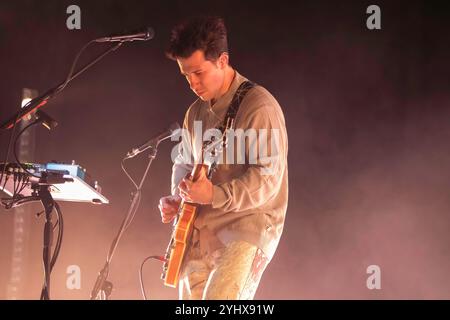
[236,102]
[232,111]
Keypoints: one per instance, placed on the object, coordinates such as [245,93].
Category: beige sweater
[250,199]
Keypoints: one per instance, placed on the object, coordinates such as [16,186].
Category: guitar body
[181,235]
[184,226]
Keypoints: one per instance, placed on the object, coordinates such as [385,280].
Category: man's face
[205,77]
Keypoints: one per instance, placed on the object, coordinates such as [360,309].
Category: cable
[9,147]
[129,177]
[21,201]
[10,203]
[24,184]
[6,180]
[14,184]
[136,207]
[60,224]
[141,278]
[18,184]
[72,68]
[15,149]
[130,218]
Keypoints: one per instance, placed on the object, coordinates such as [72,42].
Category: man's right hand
[168,206]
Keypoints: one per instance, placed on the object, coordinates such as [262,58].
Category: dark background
[368,120]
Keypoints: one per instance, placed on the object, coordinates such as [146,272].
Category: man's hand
[200,191]
[168,206]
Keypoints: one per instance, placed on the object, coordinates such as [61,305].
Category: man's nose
[194,86]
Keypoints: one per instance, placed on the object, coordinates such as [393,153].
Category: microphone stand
[102,288]
[45,97]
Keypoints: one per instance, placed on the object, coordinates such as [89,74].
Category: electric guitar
[187,212]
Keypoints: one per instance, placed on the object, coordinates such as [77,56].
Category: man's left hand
[200,191]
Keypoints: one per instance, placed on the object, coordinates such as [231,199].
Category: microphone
[153,142]
[46,120]
[141,35]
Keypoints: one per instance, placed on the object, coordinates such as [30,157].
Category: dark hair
[198,33]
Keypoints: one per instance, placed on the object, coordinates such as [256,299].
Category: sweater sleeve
[262,179]
[182,155]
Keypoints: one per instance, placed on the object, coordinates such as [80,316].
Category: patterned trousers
[230,273]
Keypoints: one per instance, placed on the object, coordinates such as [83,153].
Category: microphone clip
[135,151]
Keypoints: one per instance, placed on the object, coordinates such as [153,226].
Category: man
[242,208]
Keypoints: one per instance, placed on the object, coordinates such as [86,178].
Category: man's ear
[223,60]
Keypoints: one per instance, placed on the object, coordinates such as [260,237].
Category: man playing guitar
[241,207]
